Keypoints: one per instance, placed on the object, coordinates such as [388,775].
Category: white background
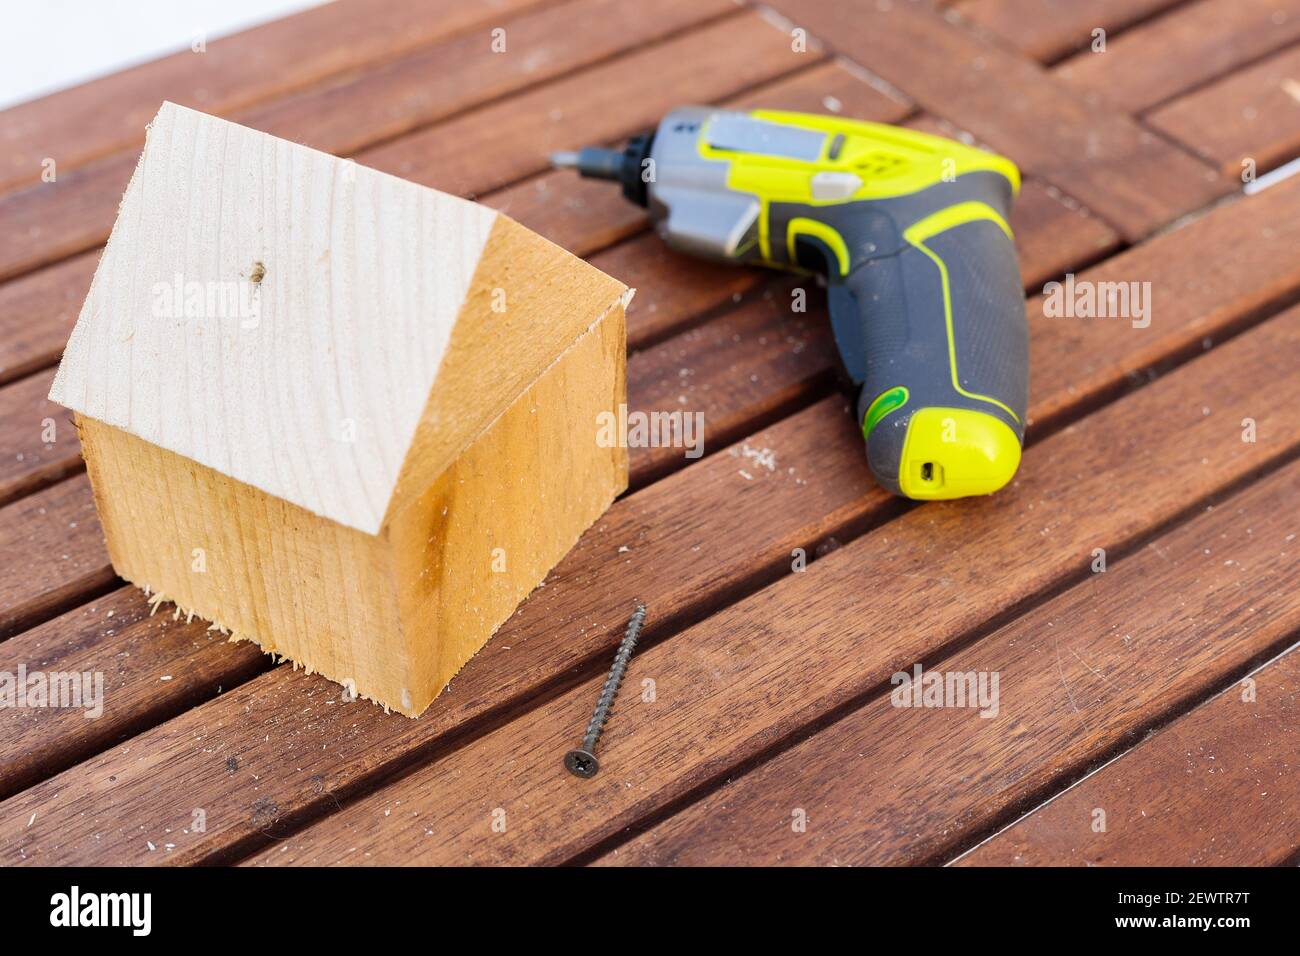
[47,45]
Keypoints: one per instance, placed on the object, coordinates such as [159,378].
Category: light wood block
[347,417]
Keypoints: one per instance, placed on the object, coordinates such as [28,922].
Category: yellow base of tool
[955,453]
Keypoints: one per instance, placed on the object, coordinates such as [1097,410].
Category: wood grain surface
[503,142]
[52,554]
[770,666]
[1078,676]
[1043,242]
[154,663]
[1049,29]
[38,436]
[1201,289]
[1256,117]
[239,815]
[1051,237]
[1216,788]
[1189,46]
[73,126]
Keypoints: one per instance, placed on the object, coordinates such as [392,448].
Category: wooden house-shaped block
[345,416]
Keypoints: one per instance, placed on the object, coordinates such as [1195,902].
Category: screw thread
[615,678]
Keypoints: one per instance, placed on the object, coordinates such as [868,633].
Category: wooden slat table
[785,589]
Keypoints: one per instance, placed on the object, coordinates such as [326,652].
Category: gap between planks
[1193,706]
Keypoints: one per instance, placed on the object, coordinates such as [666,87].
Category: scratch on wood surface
[1060,669]
[1093,669]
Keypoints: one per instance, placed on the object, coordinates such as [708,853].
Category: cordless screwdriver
[910,231]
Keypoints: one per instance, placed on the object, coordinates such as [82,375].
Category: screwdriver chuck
[627,165]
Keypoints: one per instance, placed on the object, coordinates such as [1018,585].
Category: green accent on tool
[885,403]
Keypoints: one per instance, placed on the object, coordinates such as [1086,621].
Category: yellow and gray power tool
[911,233]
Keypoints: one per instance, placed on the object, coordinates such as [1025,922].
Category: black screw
[582,762]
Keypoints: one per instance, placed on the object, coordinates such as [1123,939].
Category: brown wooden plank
[582,215]
[504,142]
[1131,178]
[398,97]
[1255,116]
[80,124]
[37,313]
[1079,677]
[835,88]
[817,488]
[27,419]
[1218,787]
[673,291]
[1185,48]
[55,220]
[1196,296]
[738,683]
[51,554]
[1047,30]
[740,372]
[152,668]
[48,221]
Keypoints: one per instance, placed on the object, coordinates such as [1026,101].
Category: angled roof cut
[273,312]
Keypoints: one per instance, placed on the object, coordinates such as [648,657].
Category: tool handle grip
[944,351]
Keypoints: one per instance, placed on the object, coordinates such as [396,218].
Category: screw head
[581,763]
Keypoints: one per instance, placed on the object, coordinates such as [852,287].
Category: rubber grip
[942,317]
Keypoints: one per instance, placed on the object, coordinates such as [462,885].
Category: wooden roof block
[282,316]
[347,417]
